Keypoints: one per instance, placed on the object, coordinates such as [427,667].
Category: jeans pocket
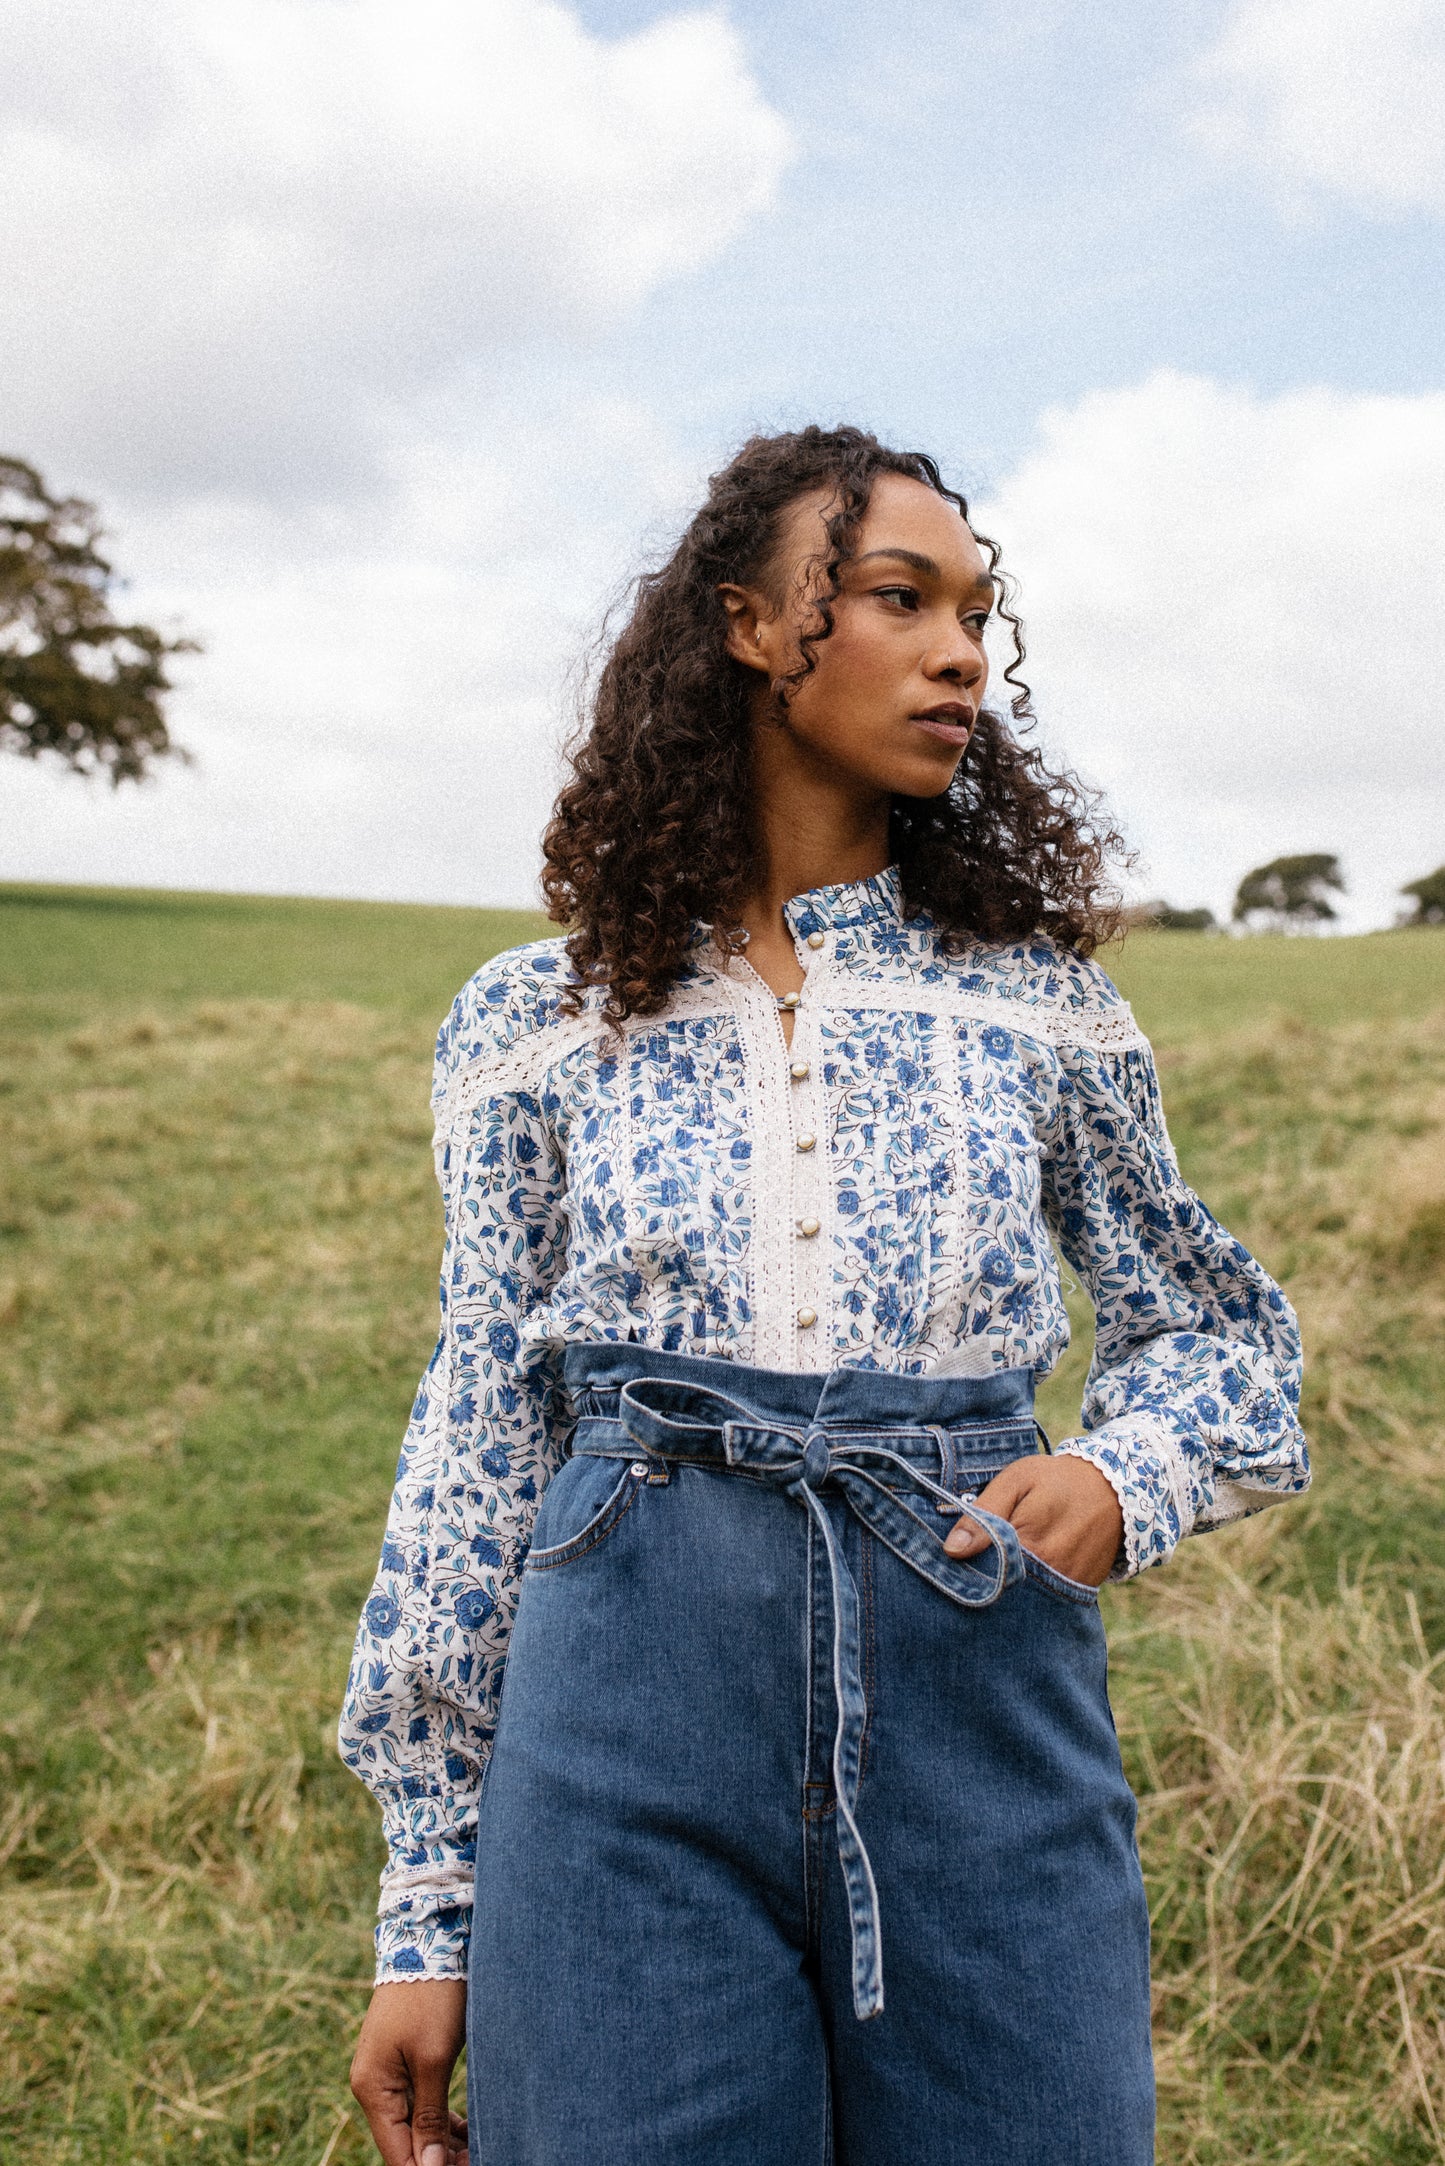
[565,1497]
[1058,1584]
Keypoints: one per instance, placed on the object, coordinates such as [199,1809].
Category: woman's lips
[953,729]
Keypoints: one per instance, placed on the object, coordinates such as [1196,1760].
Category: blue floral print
[880,1194]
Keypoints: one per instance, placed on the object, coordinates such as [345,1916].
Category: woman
[804,1834]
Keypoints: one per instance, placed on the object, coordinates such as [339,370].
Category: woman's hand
[1064,1510]
[402,2071]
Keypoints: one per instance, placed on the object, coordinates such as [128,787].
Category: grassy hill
[218,1239]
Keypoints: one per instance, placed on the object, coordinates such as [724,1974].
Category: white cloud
[240,234]
[384,685]
[265,259]
[1335,94]
[1236,610]
[1236,615]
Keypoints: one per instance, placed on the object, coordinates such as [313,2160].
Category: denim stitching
[812,1891]
[1057,1583]
[607,1520]
[828,2154]
[870,1648]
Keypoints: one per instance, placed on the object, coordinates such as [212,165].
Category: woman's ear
[749,630]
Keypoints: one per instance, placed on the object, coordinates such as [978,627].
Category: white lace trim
[1077,1447]
[524,1064]
[949,1285]
[1177,1475]
[1103,1030]
[440,1884]
[1152,1437]
[772,1291]
[731,988]
[1237,1500]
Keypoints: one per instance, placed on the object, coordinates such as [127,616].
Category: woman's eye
[978,624]
[906,597]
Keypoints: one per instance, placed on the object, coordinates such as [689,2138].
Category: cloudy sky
[393,337]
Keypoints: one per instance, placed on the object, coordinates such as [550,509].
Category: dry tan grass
[219,1881]
[188,1871]
[1281,1695]
[1293,1800]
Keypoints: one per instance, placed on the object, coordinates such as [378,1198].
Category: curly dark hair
[655,829]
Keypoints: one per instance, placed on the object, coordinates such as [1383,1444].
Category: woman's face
[897,685]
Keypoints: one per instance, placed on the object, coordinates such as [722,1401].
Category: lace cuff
[432,1945]
[1143,1465]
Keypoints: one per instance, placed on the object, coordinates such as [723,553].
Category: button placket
[810,1169]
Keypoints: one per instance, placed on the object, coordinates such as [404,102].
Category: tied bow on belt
[828,1469]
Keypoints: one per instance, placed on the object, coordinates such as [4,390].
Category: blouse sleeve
[420,1707]
[1192,1400]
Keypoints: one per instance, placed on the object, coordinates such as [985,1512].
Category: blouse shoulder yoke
[504,1028]
[1036,987]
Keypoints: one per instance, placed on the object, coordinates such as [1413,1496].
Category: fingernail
[434,2155]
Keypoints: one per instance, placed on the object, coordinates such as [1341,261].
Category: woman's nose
[962,663]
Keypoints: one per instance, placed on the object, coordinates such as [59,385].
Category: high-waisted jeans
[801,1842]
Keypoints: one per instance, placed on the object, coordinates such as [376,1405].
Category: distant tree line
[1290,894]
[1429,898]
[1162,917]
[84,685]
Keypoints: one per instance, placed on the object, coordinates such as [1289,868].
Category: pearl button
[815,940]
[799,1071]
[806,1318]
[807,1227]
[789,1000]
[805,1143]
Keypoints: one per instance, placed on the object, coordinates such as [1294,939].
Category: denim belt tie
[827,1469]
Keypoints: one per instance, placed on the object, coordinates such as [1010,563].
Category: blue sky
[392,337]
[996,209]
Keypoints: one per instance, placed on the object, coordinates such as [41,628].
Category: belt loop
[947,1457]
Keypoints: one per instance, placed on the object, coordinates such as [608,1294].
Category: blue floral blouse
[879,1194]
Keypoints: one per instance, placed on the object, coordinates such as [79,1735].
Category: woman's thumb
[430,2120]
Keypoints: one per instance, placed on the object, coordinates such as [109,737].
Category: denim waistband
[849,1440]
[849,1395]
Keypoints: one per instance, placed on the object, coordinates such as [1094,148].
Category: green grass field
[218,1242]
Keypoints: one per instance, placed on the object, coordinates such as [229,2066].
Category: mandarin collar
[848,905]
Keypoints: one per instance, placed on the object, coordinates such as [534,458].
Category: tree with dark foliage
[1290,893]
[1162,917]
[1429,894]
[74,680]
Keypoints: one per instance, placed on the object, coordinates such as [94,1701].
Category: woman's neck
[812,834]
[815,830]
